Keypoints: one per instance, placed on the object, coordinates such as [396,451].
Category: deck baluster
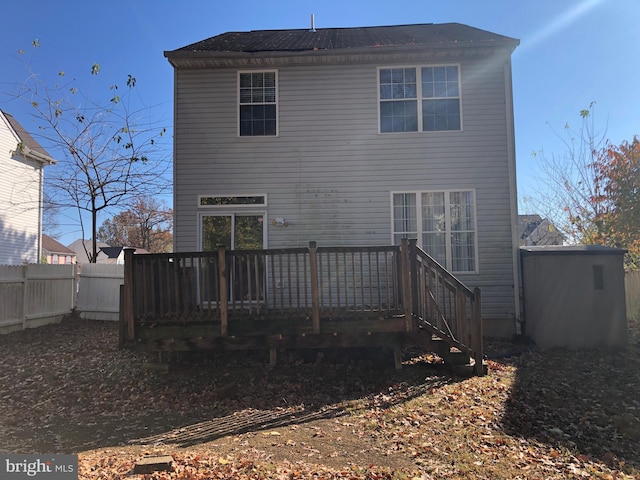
[313,273]
[224,291]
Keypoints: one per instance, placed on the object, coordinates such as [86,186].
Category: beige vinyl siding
[19,203]
[330,173]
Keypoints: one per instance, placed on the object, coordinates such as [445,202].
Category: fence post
[313,272]
[406,284]
[74,286]
[129,289]
[224,291]
[476,312]
[25,286]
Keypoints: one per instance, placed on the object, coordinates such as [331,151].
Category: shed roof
[572,250]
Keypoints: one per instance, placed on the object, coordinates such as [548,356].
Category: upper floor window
[257,97]
[419,99]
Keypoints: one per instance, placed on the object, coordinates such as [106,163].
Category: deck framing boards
[284,341]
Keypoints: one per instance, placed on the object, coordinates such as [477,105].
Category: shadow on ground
[68,388]
[585,401]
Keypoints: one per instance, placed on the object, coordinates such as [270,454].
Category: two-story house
[22,160]
[353,137]
[54,253]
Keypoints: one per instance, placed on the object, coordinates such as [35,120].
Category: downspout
[175,149]
[513,189]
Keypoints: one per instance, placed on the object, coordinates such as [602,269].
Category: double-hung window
[443,223]
[419,99]
[257,99]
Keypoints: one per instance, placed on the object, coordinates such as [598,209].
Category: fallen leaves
[558,414]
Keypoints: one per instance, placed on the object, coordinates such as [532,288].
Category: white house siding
[329,173]
[19,203]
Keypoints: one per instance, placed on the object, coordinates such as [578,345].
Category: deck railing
[311,284]
[443,303]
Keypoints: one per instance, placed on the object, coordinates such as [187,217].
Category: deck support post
[315,301]
[406,284]
[476,314]
[397,357]
[224,291]
[273,357]
[129,289]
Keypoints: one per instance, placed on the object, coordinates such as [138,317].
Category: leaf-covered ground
[338,414]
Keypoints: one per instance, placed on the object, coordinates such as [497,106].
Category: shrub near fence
[34,295]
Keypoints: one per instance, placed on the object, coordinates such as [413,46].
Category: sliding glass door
[238,231]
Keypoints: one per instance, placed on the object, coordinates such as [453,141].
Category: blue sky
[571,52]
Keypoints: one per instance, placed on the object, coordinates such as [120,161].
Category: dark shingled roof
[426,34]
[25,137]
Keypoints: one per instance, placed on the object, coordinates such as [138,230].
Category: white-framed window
[419,98]
[258,103]
[442,222]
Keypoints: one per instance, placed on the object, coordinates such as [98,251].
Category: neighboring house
[55,253]
[116,254]
[22,160]
[106,253]
[81,247]
[534,230]
[353,137]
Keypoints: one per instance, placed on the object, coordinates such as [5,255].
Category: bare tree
[567,192]
[108,151]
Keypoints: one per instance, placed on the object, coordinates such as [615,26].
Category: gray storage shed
[574,296]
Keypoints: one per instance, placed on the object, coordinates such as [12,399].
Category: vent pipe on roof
[313,23]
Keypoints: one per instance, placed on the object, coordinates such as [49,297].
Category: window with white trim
[257,103]
[443,223]
[419,99]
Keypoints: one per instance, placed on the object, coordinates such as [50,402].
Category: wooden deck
[313,297]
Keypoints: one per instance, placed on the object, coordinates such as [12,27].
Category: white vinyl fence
[99,291]
[34,295]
